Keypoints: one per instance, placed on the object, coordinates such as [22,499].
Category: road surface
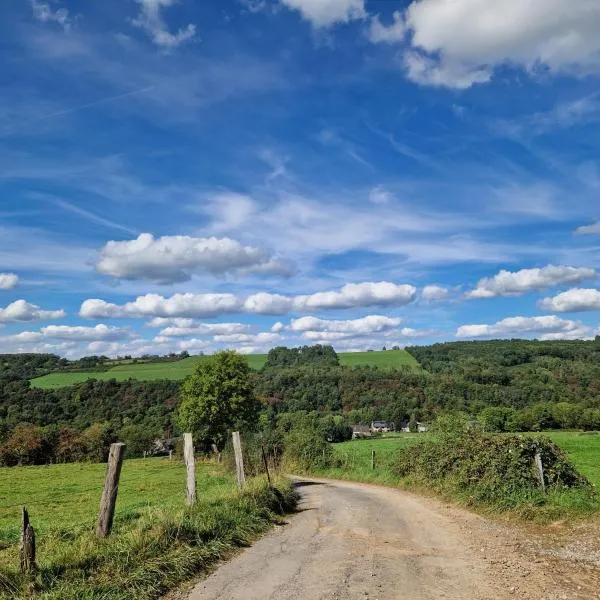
[360,542]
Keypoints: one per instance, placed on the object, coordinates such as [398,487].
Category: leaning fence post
[239,459]
[373,459]
[27,551]
[265,462]
[190,465]
[540,470]
[111,488]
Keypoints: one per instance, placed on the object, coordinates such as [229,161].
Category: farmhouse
[381,427]
[361,431]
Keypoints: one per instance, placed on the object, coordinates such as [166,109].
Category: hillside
[180,369]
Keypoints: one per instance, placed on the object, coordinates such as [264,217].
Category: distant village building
[381,427]
[361,431]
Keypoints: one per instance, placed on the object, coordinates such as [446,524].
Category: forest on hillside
[509,385]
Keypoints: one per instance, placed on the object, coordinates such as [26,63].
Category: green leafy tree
[217,397]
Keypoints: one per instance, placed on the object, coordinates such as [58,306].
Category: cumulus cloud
[8,281]
[264,303]
[549,327]
[152,22]
[85,334]
[507,283]
[587,229]
[189,306]
[573,300]
[248,338]
[434,293]
[277,327]
[461,43]
[67,333]
[394,32]
[204,329]
[154,305]
[353,295]
[42,11]
[21,310]
[172,259]
[324,13]
[323,329]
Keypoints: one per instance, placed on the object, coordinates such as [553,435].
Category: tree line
[511,385]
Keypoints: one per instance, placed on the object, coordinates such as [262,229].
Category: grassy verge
[156,543]
[484,491]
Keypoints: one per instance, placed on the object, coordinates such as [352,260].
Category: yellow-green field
[180,369]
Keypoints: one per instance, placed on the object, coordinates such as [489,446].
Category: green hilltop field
[180,369]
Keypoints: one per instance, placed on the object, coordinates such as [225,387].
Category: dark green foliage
[218,397]
[306,355]
[489,468]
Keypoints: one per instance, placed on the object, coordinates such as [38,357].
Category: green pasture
[156,543]
[355,456]
[180,369]
[67,496]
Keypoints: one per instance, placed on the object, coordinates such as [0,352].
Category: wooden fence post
[190,465]
[373,459]
[111,488]
[265,462]
[540,470]
[239,459]
[27,551]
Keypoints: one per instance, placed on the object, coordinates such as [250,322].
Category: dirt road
[358,542]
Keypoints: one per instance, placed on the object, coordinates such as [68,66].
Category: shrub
[307,449]
[489,468]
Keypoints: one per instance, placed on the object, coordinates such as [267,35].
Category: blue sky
[249,173]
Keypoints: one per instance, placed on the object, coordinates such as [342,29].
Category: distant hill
[180,369]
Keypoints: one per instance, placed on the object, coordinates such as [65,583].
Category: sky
[208,174]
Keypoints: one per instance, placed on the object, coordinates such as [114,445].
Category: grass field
[156,542]
[177,370]
[582,448]
[66,497]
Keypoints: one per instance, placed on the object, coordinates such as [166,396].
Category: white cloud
[152,22]
[351,295]
[42,11]
[85,334]
[278,327]
[264,303]
[248,338]
[179,308]
[585,229]
[8,281]
[549,327]
[574,300]
[434,293]
[314,328]
[205,329]
[21,311]
[171,259]
[154,305]
[379,33]
[324,13]
[507,283]
[459,43]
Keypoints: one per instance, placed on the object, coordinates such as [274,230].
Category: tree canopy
[217,397]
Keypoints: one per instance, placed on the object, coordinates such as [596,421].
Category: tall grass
[152,548]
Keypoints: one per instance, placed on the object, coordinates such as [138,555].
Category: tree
[217,397]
